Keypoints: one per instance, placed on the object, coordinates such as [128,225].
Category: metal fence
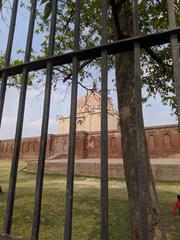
[75,57]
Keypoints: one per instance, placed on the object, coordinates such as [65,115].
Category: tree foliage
[156,61]
[157,75]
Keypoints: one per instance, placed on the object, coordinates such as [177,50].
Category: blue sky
[157,114]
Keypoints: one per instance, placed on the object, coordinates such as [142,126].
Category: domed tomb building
[89,114]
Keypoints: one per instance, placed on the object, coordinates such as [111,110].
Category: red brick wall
[29,148]
[94,141]
[163,141]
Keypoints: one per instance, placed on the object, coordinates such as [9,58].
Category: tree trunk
[127,104]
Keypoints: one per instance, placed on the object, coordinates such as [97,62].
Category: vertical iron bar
[141,151]
[44,129]
[72,130]
[15,158]
[175,53]
[104,127]
[8,55]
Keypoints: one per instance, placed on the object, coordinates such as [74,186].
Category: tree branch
[88,89]
[120,35]
[80,67]
[157,59]
[115,10]
[67,23]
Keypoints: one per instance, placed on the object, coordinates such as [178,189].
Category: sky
[154,112]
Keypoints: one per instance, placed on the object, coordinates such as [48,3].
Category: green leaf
[98,3]
[47,10]
[43,1]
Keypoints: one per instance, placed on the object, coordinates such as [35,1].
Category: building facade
[89,115]
[163,141]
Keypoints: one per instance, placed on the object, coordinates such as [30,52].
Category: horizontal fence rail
[95,52]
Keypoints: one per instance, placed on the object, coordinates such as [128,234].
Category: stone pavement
[163,169]
[153,161]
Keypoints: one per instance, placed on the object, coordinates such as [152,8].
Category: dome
[91,99]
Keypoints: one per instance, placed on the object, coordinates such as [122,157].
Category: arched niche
[65,145]
[28,147]
[24,147]
[167,141]
[5,147]
[91,143]
[80,125]
[2,147]
[152,143]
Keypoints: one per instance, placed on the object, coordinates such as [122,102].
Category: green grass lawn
[86,214]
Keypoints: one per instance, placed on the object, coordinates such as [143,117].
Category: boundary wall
[163,142]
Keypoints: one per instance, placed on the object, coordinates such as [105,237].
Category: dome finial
[94,87]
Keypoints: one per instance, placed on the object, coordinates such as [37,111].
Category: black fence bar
[44,130]
[72,130]
[141,151]
[175,53]
[104,127]
[8,55]
[15,158]
[95,52]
